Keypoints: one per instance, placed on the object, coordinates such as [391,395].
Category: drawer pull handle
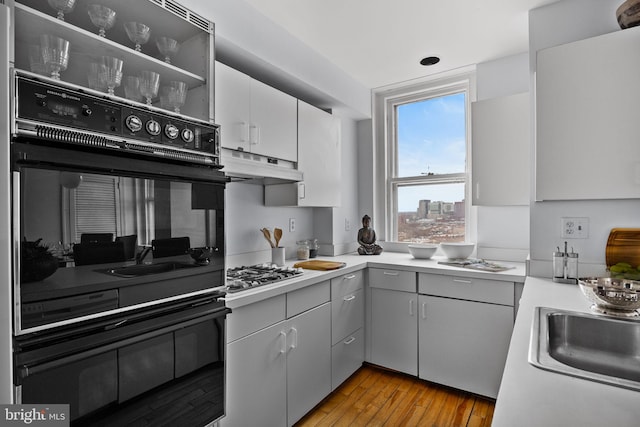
[283,341]
[349,298]
[411,302]
[350,277]
[390,273]
[462,281]
[349,340]
[424,310]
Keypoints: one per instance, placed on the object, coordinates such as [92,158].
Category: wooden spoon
[277,234]
[267,235]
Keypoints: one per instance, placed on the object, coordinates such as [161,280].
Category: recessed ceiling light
[429,60]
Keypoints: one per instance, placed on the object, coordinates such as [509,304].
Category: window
[427,170]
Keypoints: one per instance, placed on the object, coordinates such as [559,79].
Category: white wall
[503,231]
[558,23]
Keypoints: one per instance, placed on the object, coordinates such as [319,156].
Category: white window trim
[384,102]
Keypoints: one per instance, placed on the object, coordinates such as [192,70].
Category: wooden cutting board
[623,245]
[319,264]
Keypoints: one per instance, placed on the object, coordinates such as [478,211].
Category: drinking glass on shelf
[132,88]
[138,33]
[55,54]
[174,95]
[102,17]
[94,77]
[62,6]
[36,63]
[149,83]
[167,47]
[111,73]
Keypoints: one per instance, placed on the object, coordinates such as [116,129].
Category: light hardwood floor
[373,396]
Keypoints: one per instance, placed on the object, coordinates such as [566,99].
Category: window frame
[386,101]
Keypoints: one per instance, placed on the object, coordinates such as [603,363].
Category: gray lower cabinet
[278,358]
[465,327]
[394,320]
[347,326]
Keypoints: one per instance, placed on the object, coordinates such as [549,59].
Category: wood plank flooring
[373,396]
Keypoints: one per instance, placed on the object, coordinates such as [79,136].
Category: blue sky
[431,138]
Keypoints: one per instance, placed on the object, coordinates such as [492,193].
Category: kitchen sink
[145,269]
[589,346]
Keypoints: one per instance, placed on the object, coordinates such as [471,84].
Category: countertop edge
[392,260]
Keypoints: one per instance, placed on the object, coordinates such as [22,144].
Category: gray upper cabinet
[587,106]
[319,159]
[255,117]
[500,151]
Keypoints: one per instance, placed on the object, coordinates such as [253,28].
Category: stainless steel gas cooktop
[242,278]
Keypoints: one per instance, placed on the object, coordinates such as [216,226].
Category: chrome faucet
[142,254]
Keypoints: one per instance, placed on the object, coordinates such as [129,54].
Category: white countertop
[395,260]
[530,396]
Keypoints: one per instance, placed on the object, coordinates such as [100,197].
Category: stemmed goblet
[36,64]
[174,95]
[138,33]
[167,47]
[132,88]
[62,6]
[102,17]
[111,72]
[55,54]
[149,83]
[94,77]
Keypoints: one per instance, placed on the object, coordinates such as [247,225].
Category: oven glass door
[115,240]
[154,369]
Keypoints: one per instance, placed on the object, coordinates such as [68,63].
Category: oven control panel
[77,111]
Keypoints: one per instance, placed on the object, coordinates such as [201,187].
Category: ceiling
[379,42]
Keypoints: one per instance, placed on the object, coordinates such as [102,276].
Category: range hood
[248,166]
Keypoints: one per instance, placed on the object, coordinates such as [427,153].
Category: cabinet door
[318,157]
[501,159]
[464,344]
[256,379]
[587,119]
[394,330]
[308,361]
[273,128]
[233,107]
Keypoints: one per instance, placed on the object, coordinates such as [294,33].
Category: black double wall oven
[118,235]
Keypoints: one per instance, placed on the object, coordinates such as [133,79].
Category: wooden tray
[319,265]
[623,245]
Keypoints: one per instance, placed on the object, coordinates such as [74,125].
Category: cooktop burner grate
[241,278]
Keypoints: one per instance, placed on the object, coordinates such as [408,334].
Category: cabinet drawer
[306,298]
[466,288]
[347,284]
[347,314]
[346,357]
[395,280]
[251,318]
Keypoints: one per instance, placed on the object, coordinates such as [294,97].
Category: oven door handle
[27,369]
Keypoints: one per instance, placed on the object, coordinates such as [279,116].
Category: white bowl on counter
[425,251]
[457,250]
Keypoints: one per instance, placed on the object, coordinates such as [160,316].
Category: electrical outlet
[292,225]
[575,228]
[347,224]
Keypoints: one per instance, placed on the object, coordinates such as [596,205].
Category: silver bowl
[617,297]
